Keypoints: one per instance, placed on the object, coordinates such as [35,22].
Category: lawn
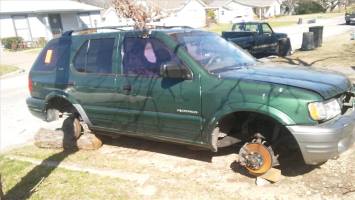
[277,21]
[335,52]
[5,69]
[22,180]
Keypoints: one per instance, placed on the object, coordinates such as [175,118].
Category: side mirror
[173,70]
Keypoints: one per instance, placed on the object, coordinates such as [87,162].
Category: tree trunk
[45,138]
[1,192]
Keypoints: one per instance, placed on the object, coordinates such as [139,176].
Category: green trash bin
[317,35]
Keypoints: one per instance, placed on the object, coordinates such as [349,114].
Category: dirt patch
[175,171]
[336,52]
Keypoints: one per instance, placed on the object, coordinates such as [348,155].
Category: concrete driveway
[331,27]
[17,125]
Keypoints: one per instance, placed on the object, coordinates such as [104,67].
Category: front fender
[272,112]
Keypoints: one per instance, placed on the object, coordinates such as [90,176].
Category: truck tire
[283,48]
[347,22]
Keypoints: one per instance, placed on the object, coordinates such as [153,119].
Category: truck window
[95,56]
[266,28]
[144,56]
[243,27]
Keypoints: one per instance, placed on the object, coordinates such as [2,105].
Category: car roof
[130,29]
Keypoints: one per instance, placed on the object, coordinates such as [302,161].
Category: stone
[261,181]
[274,175]
[56,139]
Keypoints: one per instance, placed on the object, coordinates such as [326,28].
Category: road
[331,27]
[17,125]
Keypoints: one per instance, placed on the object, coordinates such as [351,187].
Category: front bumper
[324,141]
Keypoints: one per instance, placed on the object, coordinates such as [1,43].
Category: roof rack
[90,30]
[120,28]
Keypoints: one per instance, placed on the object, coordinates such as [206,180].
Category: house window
[84,20]
[22,27]
[95,56]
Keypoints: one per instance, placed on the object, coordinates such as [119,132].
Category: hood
[326,83]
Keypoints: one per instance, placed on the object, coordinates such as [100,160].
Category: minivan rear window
[95,56]
[48,60]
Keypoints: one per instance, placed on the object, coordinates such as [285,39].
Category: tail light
[30,84]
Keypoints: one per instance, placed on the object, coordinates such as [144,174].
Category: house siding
[39,25]
[234,9]
[193,14]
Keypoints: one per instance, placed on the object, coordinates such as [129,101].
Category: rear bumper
[36,107]
[321,142]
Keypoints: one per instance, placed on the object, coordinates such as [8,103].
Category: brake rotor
[256,158]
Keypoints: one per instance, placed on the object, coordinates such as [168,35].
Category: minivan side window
[144,56]
[49,57]
[95,56]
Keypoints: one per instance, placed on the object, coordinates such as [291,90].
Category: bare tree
[330,5]
[289,6]
[141,12]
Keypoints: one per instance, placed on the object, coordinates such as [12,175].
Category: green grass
[4,69]
[20,178]
[218,28]
[33,50]
[274,24]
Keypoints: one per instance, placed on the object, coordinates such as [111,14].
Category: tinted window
[48,60]
[144,56]
[266,28]
[95,56]
[243,27]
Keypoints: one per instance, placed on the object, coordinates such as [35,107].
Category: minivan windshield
[213,52]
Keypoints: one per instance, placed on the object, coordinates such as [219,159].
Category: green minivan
[193,87]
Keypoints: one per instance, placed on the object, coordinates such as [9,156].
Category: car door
[269,43]
[92,80]
[152,105]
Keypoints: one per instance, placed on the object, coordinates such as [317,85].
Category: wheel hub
[256,157]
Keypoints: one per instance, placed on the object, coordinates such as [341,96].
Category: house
[34,19]
[182,13]
[227,11]
[176,12]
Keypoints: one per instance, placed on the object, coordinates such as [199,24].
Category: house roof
[218,3]
[251,3]
[256,3]
[173,5]
[43,6]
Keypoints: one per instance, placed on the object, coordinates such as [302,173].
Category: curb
[11,74]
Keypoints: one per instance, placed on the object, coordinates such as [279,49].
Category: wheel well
[244,126]
[62,105]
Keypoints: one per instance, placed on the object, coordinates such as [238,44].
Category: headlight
[322,111]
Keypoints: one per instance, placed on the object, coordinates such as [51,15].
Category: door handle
[127,88]
[71,83]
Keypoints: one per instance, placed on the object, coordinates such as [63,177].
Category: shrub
[308,7]
[41,42]
[12,42]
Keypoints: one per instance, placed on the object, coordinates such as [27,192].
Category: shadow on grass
[33,179]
